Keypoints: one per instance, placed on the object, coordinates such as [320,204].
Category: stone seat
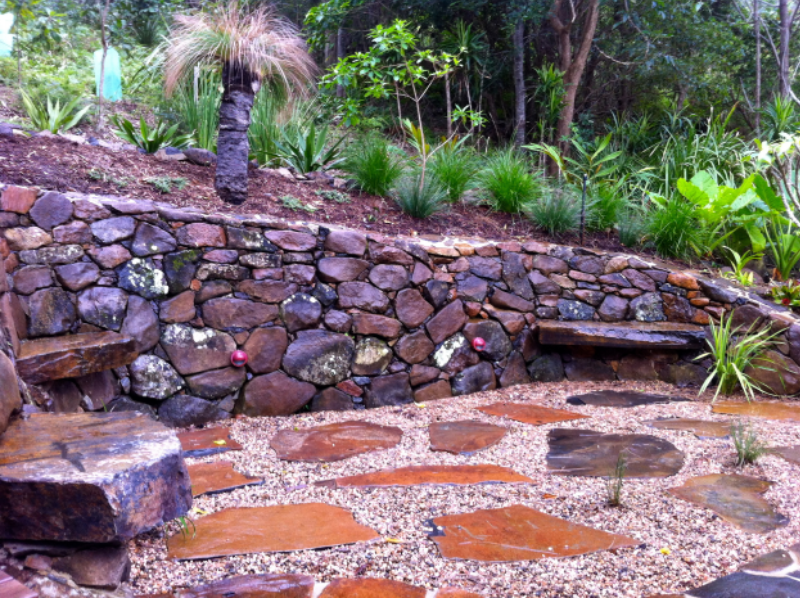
[622,335]
[89,477]
[74,355]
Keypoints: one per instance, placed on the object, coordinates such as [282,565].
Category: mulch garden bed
[54,163]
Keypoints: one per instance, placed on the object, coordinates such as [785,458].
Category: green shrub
[731,354]
[784,247]
[675,231]
[509,182]
[373,165]
[150,139]
[420,199]
[455,166]
[557,211]
[632,227]
[748,446]
[616,481]
[202,115]
[52,117]
[605,206]
[307,150]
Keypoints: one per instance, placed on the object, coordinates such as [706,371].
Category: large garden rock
[455,354]
[78,276]
[447,322]
[648,308]
[372,357]
[182,411]
[10,400]
[265,348]
[103,307]
[179,268]
[415,347]
[362,295]
[477,378]
[776,373]
[412,310]
[113,229]
[547,368]
[142,277]
[227,312]
[300,311]
[389,390]
[195,350]
[344,241]
[497,343]
[51,209]
[319,357]
[216,384]
[141,324]
[154,378]
[341,269]
[389,277]
[274,394]
[89,477]
[51,312]
[150,240]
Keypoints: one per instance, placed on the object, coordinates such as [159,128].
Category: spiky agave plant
[250,45]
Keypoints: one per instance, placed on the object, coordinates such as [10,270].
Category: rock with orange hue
[208,441]
[17,199]
[218,476]
[464,437]
[518,533]
[334,442]
[270,585]
[283,528]
[530,414]
[683,280]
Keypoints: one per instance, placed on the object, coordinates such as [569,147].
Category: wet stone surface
[371,588]
[334,442]
[613,398]
[275,585]
[464,437]
[281,528]
[736,498]
[589,453]
[517,533]
[779,411]
[219,476]
[208,441]
[699,427]
[790,453]
[459,475]
[530,414]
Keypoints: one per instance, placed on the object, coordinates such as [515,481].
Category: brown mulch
[58,164]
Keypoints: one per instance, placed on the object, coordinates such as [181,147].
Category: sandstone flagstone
[699,427]
[736,498]
[518,533]
[530,414]
[773,575]
[464,437]
[269,585]
[625,335]
[208,441]
[778,411]
[218,476]
[11,588]
[790,453]
[590,453]
[282,528]
[624,398]
[89,477]
[371,588]
[334,442]
[419,475]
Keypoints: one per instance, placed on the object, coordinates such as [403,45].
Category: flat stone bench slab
[622,335]
[73,356]
[89,477]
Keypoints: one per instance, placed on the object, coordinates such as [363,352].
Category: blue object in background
[112,86]
[6,39]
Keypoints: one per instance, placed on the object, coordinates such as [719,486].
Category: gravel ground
[683,546]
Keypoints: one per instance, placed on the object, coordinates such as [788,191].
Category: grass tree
[251,47]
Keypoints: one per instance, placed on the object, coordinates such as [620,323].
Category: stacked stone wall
[330,319]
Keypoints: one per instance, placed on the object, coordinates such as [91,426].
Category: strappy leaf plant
[51,116]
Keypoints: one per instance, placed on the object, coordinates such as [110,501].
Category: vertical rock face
[332,309]
[10,400]
[89,477]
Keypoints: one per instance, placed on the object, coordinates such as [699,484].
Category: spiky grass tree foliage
[250,45]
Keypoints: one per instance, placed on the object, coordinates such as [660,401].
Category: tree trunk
[572,66]
[783,47]
[519,82]
[100,90]
[340,55]
[233,147]
[757,27]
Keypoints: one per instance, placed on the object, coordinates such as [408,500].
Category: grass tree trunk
[233,148]
[519,82]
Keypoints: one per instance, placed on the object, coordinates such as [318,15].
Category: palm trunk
[757,27]
[233,147]
[519,82]
[783,47]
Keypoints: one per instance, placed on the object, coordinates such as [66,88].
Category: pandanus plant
[251,46]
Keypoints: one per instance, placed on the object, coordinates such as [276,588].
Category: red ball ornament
[478,344]
[238,358]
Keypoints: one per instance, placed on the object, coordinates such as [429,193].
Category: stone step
[11,588]
[74,355]
[622,335]
[89,477]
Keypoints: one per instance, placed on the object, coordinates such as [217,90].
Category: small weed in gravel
[749,447]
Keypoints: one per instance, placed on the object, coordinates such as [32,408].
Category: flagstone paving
[530,414]
[397,506]
[589,453]
[219,476]
[334,442]
[464,437]
[699,427]
[613,398]
[517,533]
[431,474]
[208,441]
[774,575]
[268,529]
[790,453]
[736,498]
[776,411]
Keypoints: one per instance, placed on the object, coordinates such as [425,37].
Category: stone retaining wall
[332,319]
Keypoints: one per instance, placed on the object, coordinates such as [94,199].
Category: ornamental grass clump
[510,185]
[747,444]
[373,164]
[556,212]
[418,197]
[250,45]
[732,355]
